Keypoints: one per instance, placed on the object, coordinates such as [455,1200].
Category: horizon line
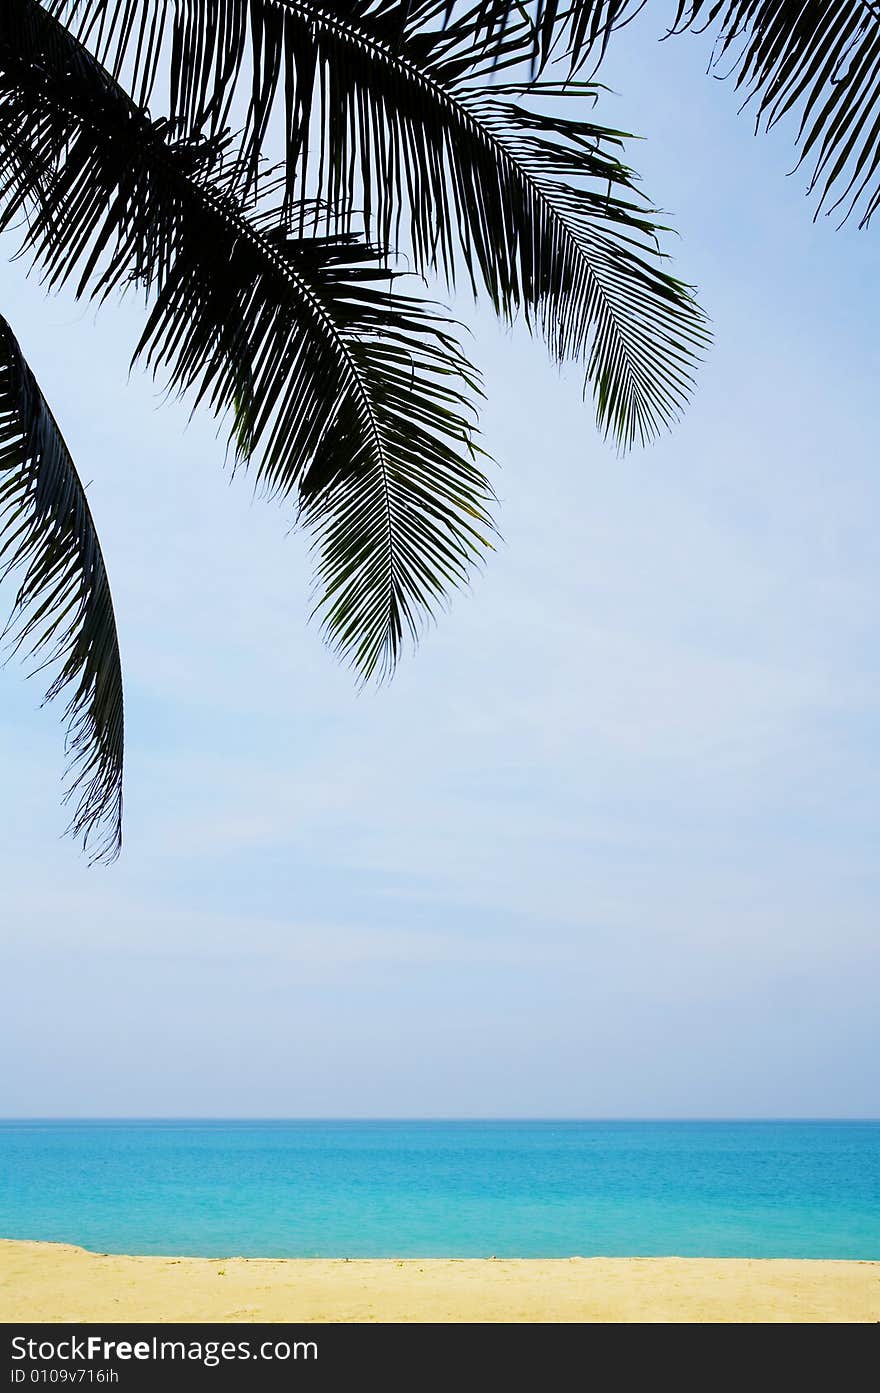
[424,1117]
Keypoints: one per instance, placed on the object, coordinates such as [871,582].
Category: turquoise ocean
[445,1189]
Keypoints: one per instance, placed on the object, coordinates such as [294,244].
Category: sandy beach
[58,1282]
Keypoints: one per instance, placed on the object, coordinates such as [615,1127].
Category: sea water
[445,1189]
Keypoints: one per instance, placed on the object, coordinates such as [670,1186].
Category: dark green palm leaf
[815,60]
[332,382]
[63,614]
[575,30]
[396,533]
[392,109]
[818,60]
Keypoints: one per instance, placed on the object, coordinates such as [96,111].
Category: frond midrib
[241,226]
[457,104]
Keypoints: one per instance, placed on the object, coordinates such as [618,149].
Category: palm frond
[393,110]
[63,612]
[402,529]
[818,60]
[574,31]
[587,273]
[330,383]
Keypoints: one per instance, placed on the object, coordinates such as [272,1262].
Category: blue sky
[606,846]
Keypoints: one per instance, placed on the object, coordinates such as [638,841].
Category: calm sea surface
[452,1189]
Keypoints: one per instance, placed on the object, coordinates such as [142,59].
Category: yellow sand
[56,1282]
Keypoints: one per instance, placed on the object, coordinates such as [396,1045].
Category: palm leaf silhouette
[407,129]
[817,61]
[351,391]
[391,109]
[63,614]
